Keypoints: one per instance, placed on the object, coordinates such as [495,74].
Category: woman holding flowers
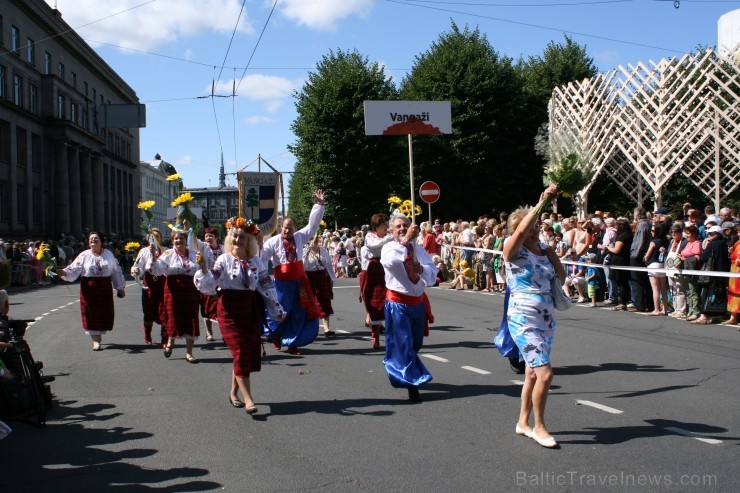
[100,272]
[152,288]
[239,275]
[300,326]
[181,298]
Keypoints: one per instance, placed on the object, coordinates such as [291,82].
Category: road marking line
[517,382]
[435,358]
[599,406]
[695,436]
[54,309]
[44,314]
[38,318]
[476,370]
[342,331]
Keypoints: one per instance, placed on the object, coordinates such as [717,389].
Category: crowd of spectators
[20,256]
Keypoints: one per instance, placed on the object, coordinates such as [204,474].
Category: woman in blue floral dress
[530,266]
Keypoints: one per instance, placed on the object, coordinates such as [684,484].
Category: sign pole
[430,213]
[411,176]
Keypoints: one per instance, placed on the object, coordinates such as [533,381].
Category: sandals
[729,322]
[619,308]
[701,321]
[191,359]
[96,346]
[251,410]
[236,403]
[657,314]
[209,337]
[167,351]
[293,350]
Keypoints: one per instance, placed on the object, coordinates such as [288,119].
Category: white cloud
[272,91]
[323,14]
[151,25]
[258,119]
[183,160]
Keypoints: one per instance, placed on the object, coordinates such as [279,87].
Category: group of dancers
[231,285]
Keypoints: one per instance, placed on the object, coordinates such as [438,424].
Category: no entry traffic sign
[429,192]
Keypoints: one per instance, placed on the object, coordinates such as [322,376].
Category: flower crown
[246,224]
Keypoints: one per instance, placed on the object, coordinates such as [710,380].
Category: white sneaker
[581,300]
[592,305]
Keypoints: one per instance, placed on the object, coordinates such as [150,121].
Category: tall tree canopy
[477,165]
[332,150]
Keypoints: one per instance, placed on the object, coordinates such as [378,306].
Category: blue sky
[172,52]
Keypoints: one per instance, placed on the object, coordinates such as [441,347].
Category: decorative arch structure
[642,124]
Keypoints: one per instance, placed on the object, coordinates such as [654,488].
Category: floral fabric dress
[531,312]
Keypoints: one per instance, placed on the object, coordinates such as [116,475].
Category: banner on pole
[408,117]
[258,199]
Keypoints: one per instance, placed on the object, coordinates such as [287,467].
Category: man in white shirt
[408,270]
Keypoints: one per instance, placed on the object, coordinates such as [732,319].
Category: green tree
[477,167]
[252,201]
[332,151]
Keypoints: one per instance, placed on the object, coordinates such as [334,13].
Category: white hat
[715,229]
[713,218]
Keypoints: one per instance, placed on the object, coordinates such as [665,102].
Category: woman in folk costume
[239,275]
[372,279]
[208,303]
[181,298]
[300,326]
[315,261]
[101,274]
[152,288]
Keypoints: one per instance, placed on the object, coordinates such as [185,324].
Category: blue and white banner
[258,199]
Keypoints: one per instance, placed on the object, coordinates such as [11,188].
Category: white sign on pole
[408,117]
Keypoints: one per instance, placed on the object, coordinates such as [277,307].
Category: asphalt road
[638,403]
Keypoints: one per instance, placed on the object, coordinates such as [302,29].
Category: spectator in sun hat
[730,233]
[464,277]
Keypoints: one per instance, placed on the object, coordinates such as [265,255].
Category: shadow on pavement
[630,367]
[652,429]
[69,455]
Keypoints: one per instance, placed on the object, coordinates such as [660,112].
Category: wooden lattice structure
[642,124]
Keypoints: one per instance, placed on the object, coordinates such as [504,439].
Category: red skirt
[96,303]
[373,291]
[240,323]
[181,307]
[208,306]
[151,299]
[319,280]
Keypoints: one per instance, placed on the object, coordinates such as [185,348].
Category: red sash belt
[397,297]
[294,272]
[290,272]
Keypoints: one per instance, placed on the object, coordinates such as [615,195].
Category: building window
[30,52]
[15,40]
[33,96]
[4,202]
[60,70]
[18,90]
[21,146]
[85,88]
[3,71]
[22,205]
[74,79]
[47,63]
[73,113]
[84,118]
[60,106]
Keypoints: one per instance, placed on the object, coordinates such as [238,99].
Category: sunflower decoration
[173,177]
[182,202]
[45,257]
[132,246]
[394,201]
[570,173]
[406,207]
[146,206]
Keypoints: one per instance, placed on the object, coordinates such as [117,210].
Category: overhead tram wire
[264,27]
[495,4]
[527,24]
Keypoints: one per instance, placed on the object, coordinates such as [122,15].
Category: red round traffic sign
[429,192]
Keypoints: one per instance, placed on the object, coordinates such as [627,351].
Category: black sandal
[167,351]
[330,334]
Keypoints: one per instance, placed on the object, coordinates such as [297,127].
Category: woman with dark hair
[211,250]
[239,275]
[715,255]
[620,257]
[691,256]
[372,280]
[152,289]
[181,298]
[654,260]
[100,272]
[300,326]
[315,261]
